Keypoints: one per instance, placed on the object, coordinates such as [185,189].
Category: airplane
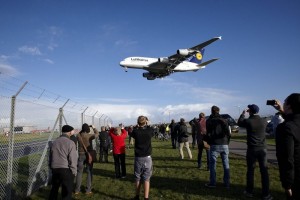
[184,60]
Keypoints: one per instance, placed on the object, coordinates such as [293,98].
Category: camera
[271,102]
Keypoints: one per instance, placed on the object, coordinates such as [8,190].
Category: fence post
[82,115]
[10,156]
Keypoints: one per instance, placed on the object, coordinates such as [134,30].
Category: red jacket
[118,141]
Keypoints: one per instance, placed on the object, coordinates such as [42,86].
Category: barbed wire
[9,85]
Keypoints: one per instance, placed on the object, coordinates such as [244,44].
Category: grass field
[173,178]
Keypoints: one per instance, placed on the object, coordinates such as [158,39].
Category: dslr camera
[271,102]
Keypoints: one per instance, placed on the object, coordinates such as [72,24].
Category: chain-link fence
[30,118]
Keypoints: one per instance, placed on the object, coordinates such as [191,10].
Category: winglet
[207,62]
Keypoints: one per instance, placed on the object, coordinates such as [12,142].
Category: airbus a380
[184,60]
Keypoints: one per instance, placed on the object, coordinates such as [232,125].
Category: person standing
[63,163]
[256,149]
[142,161]
[218,135]
[288,145]
[183,138]
[118,136]
[173,133]
[85,142]
[194,125]
[201,132]
[105,142]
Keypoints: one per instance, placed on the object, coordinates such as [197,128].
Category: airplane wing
[178,58]
[174,60]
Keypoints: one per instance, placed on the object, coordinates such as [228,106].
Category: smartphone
[271,102]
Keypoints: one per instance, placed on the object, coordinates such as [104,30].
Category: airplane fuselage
[145,62]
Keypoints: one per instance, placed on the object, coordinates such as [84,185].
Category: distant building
[20,129]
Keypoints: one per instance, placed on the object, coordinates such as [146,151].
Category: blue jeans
[215,150]
[261,157]
[89,170]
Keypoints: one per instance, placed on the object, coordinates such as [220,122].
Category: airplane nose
[122,63]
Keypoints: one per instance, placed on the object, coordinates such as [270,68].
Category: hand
[244,111]
[289,192]
[278,105]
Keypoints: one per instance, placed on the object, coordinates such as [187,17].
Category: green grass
[173,178]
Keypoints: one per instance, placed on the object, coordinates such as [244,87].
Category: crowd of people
[68,153]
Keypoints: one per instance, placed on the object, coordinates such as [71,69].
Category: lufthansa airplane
[185,60]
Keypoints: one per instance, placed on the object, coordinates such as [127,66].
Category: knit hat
[67,128]
[253,108]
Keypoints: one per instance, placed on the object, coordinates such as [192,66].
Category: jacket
[63,154]
[118,141]
[255,126]
[181,130]
[87,139]
[288,151]
[104,139]
[217,130]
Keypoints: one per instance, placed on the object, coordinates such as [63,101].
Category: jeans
[103,154]
[215,150]
[174,141]
[261,157]
[89,170]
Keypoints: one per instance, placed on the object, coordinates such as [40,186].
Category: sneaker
[76,193]
[208,185]
[123,177]
[248,194]
[89,193]
[268,197]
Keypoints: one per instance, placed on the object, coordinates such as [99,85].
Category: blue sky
[73,48]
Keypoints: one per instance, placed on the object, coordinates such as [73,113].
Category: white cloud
[30,50]
[49,61]
[8,69]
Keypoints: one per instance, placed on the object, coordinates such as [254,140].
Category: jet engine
[163,59]
[149,76]
[185,52]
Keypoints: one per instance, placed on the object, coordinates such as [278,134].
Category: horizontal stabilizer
[207,62]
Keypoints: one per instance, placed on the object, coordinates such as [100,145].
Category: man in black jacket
[257,150]
[217,136]
[288,145]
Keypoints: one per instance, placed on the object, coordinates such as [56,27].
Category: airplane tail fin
[197,58]
[202,65]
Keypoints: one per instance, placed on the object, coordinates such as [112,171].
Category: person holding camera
[85,139]
[256,150]
[118,136]
[288,145]
[142,156]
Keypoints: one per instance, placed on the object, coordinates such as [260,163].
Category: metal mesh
[30,119]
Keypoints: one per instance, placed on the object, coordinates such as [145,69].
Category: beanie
[67,128]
